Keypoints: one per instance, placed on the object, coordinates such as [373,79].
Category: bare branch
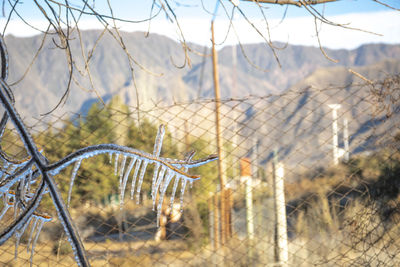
[386,5]
[360,76]
[319,44]
[292,2]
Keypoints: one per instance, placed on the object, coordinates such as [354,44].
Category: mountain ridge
[46,81]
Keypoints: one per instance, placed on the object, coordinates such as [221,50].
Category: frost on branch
[24,182]
[165,170]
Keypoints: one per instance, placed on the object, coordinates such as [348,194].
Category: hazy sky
[194,17]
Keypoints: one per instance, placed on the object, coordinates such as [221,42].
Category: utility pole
[235,113]
[221,170]
[335,136]
[234,71]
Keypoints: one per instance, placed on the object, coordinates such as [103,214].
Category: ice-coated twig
[164,163]
[27,171]
[11,179]
[25,215]
[40,163]
[4,59]
[72,179]
[91,151]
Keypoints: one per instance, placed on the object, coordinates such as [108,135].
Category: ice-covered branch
[94,150]
[16,176]
[165,171]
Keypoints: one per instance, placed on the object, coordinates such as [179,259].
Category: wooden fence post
[216,222]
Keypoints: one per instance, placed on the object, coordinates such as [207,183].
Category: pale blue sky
[131,9]
[298,27]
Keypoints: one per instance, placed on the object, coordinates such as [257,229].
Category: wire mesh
[300,191]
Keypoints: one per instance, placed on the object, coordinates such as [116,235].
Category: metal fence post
[346,139]
[281,238]
[335,136]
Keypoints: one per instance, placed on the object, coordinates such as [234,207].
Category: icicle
[170,175]
[18,235]
[110,156]
[134,177]
[17,240]
[21,189]
[191,184]
[159,181]
[153,182]
[155,188]
[72,179]
[174,190]
[15,208]
[121,172]
[183,185]
[28,181]
[159,140]
[5,209]
[35,240]
[125,180]
[139,187]
[31,233]
[116,164]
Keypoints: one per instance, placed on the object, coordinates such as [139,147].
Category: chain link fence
[311,179]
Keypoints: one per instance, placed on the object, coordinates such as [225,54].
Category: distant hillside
[46,81]
[299,124]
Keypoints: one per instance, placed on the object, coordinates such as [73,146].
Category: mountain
[299,124]
[46,80]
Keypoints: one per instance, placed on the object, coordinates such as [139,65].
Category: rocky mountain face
[156,75]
